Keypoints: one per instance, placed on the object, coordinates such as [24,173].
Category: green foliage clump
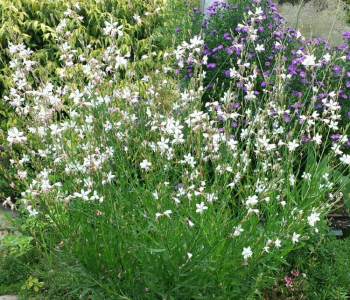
[319,270]
[327,267]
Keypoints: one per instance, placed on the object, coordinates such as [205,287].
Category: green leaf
[43,27]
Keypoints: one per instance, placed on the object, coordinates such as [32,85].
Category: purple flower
[335,136]
[336,68]
[229,50]
[206,51]
[211,65]
[346,35]
[286,118]
[227,36]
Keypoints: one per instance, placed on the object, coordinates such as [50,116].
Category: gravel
[321,18]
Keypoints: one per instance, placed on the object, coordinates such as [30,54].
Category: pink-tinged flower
[295,273]
[145,164]
[98,213]
[137,18]
[288,280]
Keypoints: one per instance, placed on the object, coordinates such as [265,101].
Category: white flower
[260,48]
[196,41]
[110,29]
[233,73]
[76,96]
[293,145]
[298,34]
[155,195]
[333,125]
[252,200]
[278,243]
[201,207]
[309,60]
[211,197]
[163,144]
[166,213]
[291,179]
[55,129]
[95,196]
[247,252]
[15,136]
[238,229]
[83,194]
[250,95]
[32,212]
[317,138]
[145,164]
[327,57]
[45,184]
[190,160]
[110,176]
[313,218]
[191,224]
[266,249]
[336,149]
[120,62]
[295,237]
[137,18]
[253,211]
[345,159]
[306,176]
[22,174]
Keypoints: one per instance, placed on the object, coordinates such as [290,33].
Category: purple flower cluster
[228,36]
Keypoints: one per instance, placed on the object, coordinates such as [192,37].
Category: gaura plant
[194,201]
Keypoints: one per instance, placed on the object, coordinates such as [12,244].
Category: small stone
[8,297]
